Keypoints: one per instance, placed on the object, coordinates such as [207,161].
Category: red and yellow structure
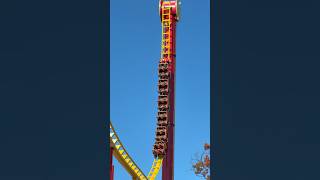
[163,149]
[164,145]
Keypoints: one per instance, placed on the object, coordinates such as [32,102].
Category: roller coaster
[163,148]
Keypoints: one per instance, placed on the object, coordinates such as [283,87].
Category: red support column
[169,53]
[168,161]
[111,165]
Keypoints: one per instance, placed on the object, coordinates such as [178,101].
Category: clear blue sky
[135,51]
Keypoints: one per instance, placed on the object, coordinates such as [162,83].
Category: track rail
[121,154]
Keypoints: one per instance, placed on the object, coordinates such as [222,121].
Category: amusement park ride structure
[163,149]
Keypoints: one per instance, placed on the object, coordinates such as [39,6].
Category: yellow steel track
[123,157]
[156,165]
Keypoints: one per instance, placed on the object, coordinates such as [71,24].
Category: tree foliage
[201,165]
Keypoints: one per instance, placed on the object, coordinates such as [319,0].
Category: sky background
[135,31]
